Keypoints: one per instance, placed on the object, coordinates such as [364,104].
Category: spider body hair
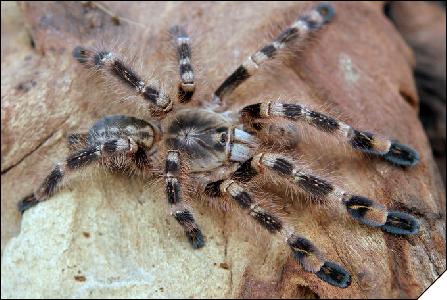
[221,155]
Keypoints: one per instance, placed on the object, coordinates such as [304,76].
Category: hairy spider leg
[298,31]
[308,255]
[108,62]
[187,85]
[76,161]
[390,150]
[360,208]
[174,196]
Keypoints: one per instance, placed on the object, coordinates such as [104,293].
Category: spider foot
[334,274]
[401,155]
[326,10]
[26,203]
[401,223]
[81,54]
[196,238]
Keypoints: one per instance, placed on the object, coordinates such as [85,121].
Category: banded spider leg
[304,251]
[180,212]
[111,65]
[363,141]
[298,31]
[75,161]
[187,85]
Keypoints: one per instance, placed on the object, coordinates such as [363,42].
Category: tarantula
[222,149]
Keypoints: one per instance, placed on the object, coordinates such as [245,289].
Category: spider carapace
[221,152]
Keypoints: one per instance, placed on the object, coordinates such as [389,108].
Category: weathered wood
[423,26]
[110,236]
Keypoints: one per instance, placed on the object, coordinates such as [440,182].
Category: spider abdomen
[119,126]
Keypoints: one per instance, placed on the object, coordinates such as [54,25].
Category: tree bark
[110,235]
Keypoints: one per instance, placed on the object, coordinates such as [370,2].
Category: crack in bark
[6,170]
[225,235]
[430,258]
[341,258]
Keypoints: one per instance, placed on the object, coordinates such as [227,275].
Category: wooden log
[111,236]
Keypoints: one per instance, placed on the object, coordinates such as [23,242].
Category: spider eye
[223,138]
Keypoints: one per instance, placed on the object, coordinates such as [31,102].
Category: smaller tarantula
[222,150]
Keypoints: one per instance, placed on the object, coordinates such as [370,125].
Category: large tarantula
[222,149]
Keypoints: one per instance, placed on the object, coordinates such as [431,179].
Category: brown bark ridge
[423,26]
[110,236]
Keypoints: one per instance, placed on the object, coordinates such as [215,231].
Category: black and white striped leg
[360,208]
[73,162]
[113,66]
[366,142]
[298,31]
[313,261]
[174,195]
[186,86]
[245,201]
[309,257]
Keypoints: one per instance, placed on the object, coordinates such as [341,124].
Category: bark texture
[423,26]
[110,236]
